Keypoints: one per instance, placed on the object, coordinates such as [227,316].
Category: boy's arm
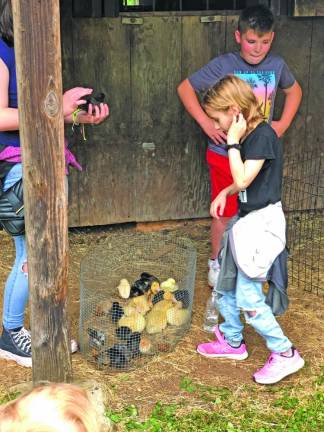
[191,103]
[293,96]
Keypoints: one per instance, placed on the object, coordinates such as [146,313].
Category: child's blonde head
[230,92]
[52,408]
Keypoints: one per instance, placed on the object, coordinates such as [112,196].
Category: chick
[145,346]
[163,305]
[156,321]
[136,322]
[124,288]
[169,285]
[141,304]
[177,317]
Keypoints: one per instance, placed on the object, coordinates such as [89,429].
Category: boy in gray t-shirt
[265,72]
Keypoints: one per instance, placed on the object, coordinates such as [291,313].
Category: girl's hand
[236,130]
[95,115]
[73,98]
[218,205]
[215,134]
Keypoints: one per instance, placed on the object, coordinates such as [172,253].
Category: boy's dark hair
[258,18]
[6,22]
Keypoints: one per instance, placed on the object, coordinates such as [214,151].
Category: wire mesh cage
[136,298]
[303,200]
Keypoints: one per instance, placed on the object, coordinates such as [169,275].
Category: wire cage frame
[303,202]
[136,298]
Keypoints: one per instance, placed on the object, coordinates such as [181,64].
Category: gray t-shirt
[264,78]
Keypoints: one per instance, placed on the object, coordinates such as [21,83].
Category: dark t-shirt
[262,143]
[264,78]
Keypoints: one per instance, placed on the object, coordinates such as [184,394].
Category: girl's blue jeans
[249,297]
[16,288]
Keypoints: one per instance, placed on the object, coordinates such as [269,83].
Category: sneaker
[16,345]
[278,367]
[221,349]
[213,272]
[74,347]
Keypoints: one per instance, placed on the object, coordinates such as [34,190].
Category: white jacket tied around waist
[257,239]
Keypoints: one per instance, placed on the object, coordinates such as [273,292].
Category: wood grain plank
[108,158]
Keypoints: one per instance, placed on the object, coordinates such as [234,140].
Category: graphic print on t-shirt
[263,84]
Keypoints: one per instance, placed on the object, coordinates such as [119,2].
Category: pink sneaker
[278,367]
[220,348]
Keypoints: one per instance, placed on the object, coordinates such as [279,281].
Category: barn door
[147,161]
[101,57]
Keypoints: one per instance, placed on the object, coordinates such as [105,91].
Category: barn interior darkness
[185,5]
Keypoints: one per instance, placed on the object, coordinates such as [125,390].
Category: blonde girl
[257,238]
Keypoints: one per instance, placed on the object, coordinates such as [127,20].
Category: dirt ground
[159,380]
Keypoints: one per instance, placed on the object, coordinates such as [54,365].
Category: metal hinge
[132,21]
[211,18]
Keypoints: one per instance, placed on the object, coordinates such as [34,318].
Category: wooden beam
[38,60]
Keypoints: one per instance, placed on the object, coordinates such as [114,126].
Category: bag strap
[17,204]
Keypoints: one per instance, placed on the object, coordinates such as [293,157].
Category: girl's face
[223,119]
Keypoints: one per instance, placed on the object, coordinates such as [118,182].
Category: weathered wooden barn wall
[147,161]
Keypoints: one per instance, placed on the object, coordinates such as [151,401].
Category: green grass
[7,397]
[279,409]
[283,408]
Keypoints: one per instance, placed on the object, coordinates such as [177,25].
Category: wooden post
[38,60]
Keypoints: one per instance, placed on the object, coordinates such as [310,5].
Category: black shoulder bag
[12,209]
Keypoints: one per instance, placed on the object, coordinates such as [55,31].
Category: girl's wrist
[231,139]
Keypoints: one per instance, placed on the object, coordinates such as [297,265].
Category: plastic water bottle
[211,313]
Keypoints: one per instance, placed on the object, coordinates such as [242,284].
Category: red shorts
[220,178]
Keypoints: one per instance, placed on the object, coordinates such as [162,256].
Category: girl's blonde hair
[51,408]
[230,92]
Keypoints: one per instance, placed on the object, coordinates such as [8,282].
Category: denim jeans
[249,297]
[16,288]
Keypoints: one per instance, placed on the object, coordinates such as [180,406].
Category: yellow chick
[163,305]
[156,321]
[136,322]
[141,304]
[169,285]
[177,317]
